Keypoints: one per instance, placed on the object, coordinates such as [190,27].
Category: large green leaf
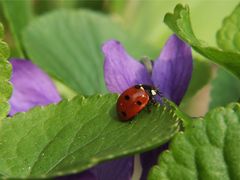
[5,74]
[229,34]
[72,136]
[18,14]
[67,44]
[180,23]
[225,89]
[208,149]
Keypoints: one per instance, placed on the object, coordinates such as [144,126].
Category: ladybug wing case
[131,102]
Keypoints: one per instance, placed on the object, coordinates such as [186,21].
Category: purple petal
[120,70]
[119,169]
[86,175]
[148,159]
[31,87]
[173,69]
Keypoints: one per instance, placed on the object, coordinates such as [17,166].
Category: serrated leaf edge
[4,54]
[157,167]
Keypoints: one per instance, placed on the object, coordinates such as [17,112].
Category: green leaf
[18,14]
[5,74]
[225,89]
[4,50]
[229,34]
[72,136]
[207,149]
[67,44]
[180,23]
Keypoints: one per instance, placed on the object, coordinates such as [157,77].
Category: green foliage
[207,149]
[225,89]
[4,50]
[228,36]
[5,74]
[67,44]
[180,23]
[72,136]
[75,135]
[18,14]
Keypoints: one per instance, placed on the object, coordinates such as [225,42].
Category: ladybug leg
[149,108]
[153,101]
[159,93]
[162,102]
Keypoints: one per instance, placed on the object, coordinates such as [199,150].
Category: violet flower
[118,169]
[171,74]
[32,87]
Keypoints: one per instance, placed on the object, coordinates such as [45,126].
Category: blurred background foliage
[141,20]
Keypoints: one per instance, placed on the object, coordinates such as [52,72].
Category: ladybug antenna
[148,63]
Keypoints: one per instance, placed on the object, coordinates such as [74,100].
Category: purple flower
[171,74]
[119,169]
[32,87]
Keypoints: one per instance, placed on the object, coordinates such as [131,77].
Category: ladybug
[135,99]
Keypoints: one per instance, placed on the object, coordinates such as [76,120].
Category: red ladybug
[135,99]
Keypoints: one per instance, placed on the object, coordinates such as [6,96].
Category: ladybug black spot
[139,103]
[127,97]
[124,114]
